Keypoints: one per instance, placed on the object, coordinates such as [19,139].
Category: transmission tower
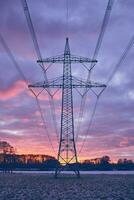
[67,153]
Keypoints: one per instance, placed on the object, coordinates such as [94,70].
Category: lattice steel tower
[67,153]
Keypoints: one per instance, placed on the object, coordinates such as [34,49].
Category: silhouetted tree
[8,156]
[50,164]
[125,164]
[105,160]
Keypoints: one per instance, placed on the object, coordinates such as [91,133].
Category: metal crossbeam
[76,83]
[72,59]
[67,154]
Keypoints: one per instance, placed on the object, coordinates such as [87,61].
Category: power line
[67,17]
[31,28]
[103,28]
[96,51]
[80,116]
[11,56]
[89,126]
[43,120]
[42,117]
[37,49]
[121,60]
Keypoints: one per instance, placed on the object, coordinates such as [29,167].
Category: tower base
[67,168]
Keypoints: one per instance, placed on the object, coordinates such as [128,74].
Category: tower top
[67,47]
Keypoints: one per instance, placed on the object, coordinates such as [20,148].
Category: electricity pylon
[67,154]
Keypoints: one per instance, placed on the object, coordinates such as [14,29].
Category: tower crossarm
[61,59]
[55,83]
[80,83]
[58,83]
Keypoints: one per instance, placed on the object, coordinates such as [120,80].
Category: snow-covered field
[45,187]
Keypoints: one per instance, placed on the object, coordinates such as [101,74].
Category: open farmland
[45,187]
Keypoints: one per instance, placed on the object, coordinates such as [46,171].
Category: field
[45,187]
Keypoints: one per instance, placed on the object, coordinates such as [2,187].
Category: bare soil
[45,187]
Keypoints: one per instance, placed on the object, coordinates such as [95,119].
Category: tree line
[10,161]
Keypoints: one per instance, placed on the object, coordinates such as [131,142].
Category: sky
[112,130]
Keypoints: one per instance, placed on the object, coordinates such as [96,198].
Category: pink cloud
[58,95]
[15,89]
[42,96]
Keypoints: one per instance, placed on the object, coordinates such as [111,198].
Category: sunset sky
[112,131]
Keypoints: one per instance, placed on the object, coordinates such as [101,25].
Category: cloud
[13,91]
[112,127]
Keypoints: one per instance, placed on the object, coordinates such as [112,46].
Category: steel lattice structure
[67,153]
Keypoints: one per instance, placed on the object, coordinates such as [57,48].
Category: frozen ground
[82,172]
[45,187]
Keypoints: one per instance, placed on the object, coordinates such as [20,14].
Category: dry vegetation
[45,187]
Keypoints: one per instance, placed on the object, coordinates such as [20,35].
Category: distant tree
[6,148]
[125,164]
[125,161]
[8,153]
[87,162]
[105,160]
[120,161]
[50,163]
